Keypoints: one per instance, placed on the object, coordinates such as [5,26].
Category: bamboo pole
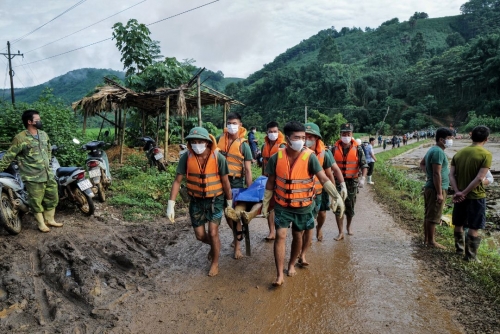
[225,115]
[84,121]
[167,119]
[123,135]
[199,101]
[182,129]
[157,128]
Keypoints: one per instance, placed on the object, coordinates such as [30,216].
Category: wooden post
[167,119]
[157,128]
[115,140]
[84,121]
[199,101]
[122,141]
[182,129]
[225,115]
[119,127]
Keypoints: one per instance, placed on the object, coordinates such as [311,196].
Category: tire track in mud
[44,313]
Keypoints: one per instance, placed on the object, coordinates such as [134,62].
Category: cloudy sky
[234,36]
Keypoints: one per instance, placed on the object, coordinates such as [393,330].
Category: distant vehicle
[154,154]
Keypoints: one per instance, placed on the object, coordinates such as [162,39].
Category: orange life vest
[203,182]
[235,159]
[268,150]
[294,185]
[320,153]
[349,163]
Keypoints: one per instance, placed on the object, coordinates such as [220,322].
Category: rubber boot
[49,218]
[370,180]
[471,247]
[459,243]
[246,217]
[41,223]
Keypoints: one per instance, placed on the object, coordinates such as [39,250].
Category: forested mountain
[76,84]
[427,71]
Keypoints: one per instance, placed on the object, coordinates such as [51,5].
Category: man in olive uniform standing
[31,148]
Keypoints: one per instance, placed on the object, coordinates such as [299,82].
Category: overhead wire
[43,25]
[93,24]
[26,71]
[107,39]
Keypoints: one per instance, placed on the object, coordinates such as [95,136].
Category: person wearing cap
[207,182]
[233,145]
[350,157]
[273,141]
[322,201]
[290,182]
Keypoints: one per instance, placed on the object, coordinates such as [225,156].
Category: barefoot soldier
[291,182]
[435,166]
[207,183]
[31,148]
[322,199]
[233,145]
[273,141]
[351,161]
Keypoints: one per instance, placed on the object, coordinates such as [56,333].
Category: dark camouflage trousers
[42,196]
[350,201]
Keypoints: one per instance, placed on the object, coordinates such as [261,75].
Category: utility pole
[11,72]
[305,113]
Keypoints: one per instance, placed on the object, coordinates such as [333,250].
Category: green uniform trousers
[42,196]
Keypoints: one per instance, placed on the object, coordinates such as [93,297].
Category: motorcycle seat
[7,175]
[93,145]
[66,171]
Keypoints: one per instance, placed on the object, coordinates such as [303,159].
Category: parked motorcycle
[154,154]
[14,198]
[97,166]
[72,185]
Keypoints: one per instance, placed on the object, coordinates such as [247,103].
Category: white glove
[268,194]
[343,191]
[170,210]
[229,203]
[361,182]
[336,202]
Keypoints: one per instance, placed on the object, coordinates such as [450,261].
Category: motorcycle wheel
[11,221]
[84,202]
[161,166]
[101,195]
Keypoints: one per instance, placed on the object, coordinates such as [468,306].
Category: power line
[33,73]
[82,47]
[187,11]
[93,24]
[26,71]
[43,25]
[20,81]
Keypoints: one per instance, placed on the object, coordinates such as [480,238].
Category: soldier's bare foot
[339,237]
[279,281]
[303,262]
[245,219]
[237,254]
[291,272]
[270,237]
[350,232]
[436,245]
[319,235]
[214,270]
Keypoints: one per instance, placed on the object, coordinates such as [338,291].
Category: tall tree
[136,46]
[417,48]
[329,52]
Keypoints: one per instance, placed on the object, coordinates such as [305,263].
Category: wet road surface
[367,283]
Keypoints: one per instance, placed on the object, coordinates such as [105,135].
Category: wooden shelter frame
[186,99]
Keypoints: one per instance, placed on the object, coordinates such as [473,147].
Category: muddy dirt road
[106,275]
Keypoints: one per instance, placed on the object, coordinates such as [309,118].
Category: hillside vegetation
[427,71]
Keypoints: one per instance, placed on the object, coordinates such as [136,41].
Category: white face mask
[310,143]
[272,136]
[232,128]
[254,131]
[296,145]
[346,140]
[448,143]
[199,148]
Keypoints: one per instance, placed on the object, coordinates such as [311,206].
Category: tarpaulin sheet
[252,194]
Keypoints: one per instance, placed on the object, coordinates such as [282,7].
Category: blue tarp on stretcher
[252,194]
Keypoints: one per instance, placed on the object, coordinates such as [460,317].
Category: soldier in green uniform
[31,148]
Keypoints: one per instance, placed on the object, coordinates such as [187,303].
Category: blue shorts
[470,213]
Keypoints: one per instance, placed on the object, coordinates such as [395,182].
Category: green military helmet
[313,129]
[346,127]
[199,133]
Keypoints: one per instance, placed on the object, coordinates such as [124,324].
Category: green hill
[422,69]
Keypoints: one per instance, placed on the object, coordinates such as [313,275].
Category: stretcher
[251,195]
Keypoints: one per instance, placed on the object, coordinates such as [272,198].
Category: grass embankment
[404,195]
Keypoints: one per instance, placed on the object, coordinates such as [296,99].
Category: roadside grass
[407,203]
[142,195]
